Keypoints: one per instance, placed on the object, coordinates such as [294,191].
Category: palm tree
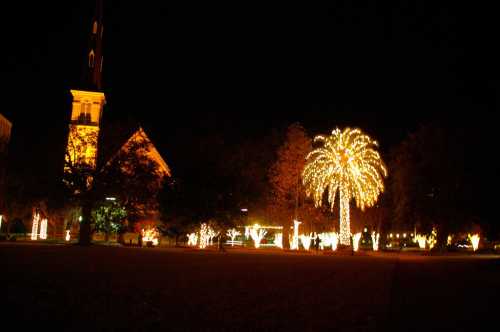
[348,162]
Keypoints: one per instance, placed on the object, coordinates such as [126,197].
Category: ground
[64,287]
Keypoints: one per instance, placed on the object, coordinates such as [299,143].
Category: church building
[88,105]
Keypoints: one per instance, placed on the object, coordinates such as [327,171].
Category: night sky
[187,72]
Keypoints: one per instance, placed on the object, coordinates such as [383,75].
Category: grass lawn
[67,287]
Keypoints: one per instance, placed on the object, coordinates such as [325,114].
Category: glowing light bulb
[68,235]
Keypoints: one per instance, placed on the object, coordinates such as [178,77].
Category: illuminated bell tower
[88,103]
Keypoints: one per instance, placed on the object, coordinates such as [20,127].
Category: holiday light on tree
[34,227]
[474,239]
[375,241]
[150,235]
[204,238]
[278,240]
[43,229]
[192,239]
[233,233]
[421,239]
[306,241]
[257,234]
[355,241]
[294,244]
[346,162]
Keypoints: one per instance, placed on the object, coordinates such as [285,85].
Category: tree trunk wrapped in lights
[346,162]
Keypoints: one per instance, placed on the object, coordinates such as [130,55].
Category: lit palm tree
[348,162]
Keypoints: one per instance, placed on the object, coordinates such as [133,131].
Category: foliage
[346,162]
[133,178]
[430,183]
[109,217]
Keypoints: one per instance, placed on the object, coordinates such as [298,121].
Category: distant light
[365,230]
[80,218]
[111,198]
[244,210]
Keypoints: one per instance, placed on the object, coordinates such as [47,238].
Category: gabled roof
[152,153]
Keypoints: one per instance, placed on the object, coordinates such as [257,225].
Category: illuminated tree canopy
[346,162]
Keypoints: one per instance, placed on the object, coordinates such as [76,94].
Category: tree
[134,179]
[430,182]
[284,177]
[346,162]
[130,175]
[109,217]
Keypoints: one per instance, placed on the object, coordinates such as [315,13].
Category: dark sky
[184,72]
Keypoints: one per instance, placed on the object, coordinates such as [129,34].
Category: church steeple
[93,68]
[88,104]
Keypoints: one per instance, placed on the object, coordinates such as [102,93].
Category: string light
[68,235]
[192,239]
[203,236]
[150,235]
[421,239]
[306,241]
[294,245]
[211,235]
[474,239]
[278,240]
[347,162]
[355,241]
[432,239]
[375,241]
[34,227]
[257,234]
[233,233]
[329,240]
[43,229]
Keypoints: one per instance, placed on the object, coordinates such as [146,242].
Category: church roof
[138,136]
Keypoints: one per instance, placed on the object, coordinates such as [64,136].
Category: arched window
[91,59]
[85,114]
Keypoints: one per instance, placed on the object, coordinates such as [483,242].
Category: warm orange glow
[82,145]
[84,129]
[474,239]
[150,235]
[34,227]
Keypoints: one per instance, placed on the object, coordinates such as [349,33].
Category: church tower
[88,103]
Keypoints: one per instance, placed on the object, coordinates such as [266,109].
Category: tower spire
[93,67]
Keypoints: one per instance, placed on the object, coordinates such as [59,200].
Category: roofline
[6,120]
